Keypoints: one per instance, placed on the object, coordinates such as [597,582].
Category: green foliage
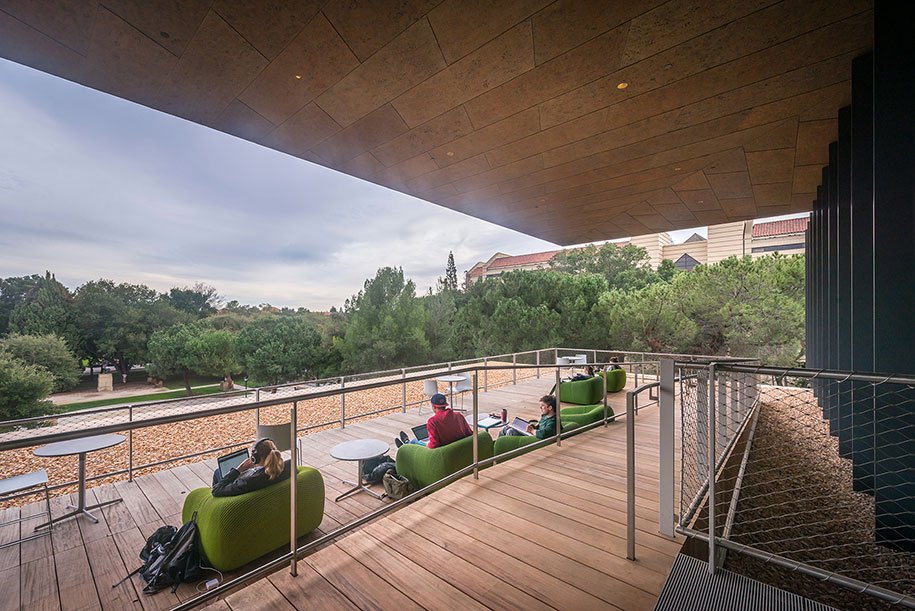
[199,300]
[439,311]
[276,349]
[47,351]
[385,325]
[449,282]
[13,291]
[45,309]
[23,389]
[214,353]
[118,320]
[625,267]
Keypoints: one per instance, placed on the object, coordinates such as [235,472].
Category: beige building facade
[723,241]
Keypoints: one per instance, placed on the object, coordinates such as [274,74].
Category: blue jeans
[417,442]
[507,430]
[217,477]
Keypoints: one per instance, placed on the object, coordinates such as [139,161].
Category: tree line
[605,298]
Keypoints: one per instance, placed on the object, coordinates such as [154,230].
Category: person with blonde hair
[266,466]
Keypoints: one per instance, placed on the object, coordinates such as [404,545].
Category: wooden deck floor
[543,530]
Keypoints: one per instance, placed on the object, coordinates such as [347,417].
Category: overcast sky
[93,186]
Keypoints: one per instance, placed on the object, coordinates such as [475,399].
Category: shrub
[24,389]
[48,351]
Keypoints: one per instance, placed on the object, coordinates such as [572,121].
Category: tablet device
[229,461]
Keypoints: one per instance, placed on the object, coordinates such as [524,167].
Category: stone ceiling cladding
[516,115]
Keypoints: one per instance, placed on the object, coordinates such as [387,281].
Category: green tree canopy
[199,300]
[117,320]
[48,351]
[24,389]
[14,290]
[276,349]
[385,324]
[45,309]
[625,267]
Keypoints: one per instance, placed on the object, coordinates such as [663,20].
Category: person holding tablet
[266,466]
[546,427]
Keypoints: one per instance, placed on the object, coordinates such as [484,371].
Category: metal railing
[816,478]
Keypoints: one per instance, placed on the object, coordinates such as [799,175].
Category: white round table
[80,446]
[358,450]
[451,379]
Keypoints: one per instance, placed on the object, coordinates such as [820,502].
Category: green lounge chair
[584,415]
[424,466]
[507,443]
[237,529]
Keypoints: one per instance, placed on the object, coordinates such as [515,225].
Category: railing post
[702,408]
[630,477]
[722,403]
[711,470]
[558,407]
[129,447]
[605,395]
[403,374]
[733,408]
[342,403]
[666,476]
[476,419]
[485,375]
[293,476]
[257,411]
[538,364]
[593,356]
[514,365]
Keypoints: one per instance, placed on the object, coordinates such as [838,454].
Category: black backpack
[169,557]
[375,468]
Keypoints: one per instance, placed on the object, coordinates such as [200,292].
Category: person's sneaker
[397,442]
[403,437]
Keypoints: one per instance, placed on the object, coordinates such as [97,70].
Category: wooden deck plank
[261,592]
[38,584]
[161,500]
[141,510]
[89,530]
[425,588]
[360,585]
[74,580]
[108,568]
[129,543]
[9,555]
[36,548]
[117,515]
[9,586]
[463,575]
[309,590]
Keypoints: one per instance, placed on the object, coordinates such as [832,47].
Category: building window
[493,275]
[685,262]
[781,248]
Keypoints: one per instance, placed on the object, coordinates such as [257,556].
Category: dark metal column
[843,303]
[894,271]
[862,269]
[832,282]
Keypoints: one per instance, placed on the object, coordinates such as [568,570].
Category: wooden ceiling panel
[507,56]
[406,61]
[510,111]
[565,24]
[122,56]
[446,127]
[459,35]
[314,61]
[215,68]
[69,22]
[368,26]
[268,26]
[557,76]
[170,24]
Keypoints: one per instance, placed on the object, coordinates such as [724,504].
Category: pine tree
[451,282]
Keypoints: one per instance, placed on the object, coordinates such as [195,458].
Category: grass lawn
[137,399]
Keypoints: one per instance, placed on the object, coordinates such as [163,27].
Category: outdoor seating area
[82,559]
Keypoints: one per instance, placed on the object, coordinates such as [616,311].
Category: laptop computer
[229,461]
[520,425]
[421,432]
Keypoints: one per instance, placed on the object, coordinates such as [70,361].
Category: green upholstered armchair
[507,443]
[581,392]
[237,529]
[616,379]
[584,415]
[423,466]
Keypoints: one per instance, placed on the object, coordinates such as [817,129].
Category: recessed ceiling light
[668,66]
[298,76]
[622,85]
[450,153]
[163,34]
[676,169]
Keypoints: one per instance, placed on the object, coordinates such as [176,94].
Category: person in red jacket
[444,426]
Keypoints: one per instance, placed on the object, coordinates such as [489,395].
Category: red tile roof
[537,257]
[474,272]
[776,228]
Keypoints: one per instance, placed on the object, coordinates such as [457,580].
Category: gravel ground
[797,501]
[156,443]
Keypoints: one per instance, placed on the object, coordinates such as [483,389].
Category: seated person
[546,427]
[266,466]
[615,362]
[583,376]
[444,426]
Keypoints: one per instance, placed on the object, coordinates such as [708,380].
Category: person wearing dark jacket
[267,467]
